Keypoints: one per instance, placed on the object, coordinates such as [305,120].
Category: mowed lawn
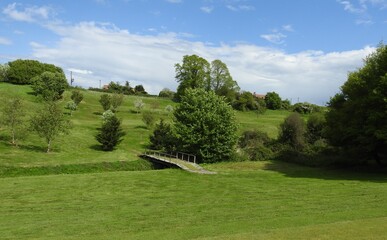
[247,200]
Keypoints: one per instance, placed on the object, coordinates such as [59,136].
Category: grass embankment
[248,200]
[80,147]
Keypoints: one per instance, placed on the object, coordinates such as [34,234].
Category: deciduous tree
[12,117]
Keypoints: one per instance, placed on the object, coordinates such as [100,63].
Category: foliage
[50,85]
[168,109]
[286,104]
[140,90]
[167,93]
[315,127]
[193,73]
[4,72]
[205,126]
[357,117]
[49,123]
[306,108]
[116,101]
[110,134]
[149,119]
[273,101]
[76,96]
[71,106]
[12,117]
[255,144]
[107,115]
[23,71]
[292,132]
[246,101]
[139,104]
[162,137]
[106,101]
[221,81]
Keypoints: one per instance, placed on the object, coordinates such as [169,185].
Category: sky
[301,49]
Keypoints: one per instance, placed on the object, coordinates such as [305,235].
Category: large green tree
[273,100]
[205,125]
[49,123]
[22,71]
[50,85]
[193,73]
[4,72]
[221,81]
[357,117]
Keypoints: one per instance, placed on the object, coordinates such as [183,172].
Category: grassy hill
[81,147]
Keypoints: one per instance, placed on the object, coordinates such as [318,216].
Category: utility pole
[71,78]
[100,84]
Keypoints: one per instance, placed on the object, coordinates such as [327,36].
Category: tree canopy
[50,85]
[273,101]
[357,117]
[23,71]
[205,125]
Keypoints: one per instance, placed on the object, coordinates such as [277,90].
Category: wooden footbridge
[184,161]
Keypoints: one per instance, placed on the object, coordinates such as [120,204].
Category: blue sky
[302,49]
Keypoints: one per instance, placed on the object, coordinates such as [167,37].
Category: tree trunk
[13,138]
[49,146]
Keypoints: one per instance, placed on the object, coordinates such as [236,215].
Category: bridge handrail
[178,155]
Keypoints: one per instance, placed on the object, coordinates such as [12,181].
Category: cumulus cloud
[288,28]
[174,1]
[236,8]
[112,54]
[18,12]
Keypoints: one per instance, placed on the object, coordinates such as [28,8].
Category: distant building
[261,96]
[105,87]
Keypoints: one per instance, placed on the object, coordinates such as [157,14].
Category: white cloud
[348,6]
[276,38]
[236,8]
[5,41]
[80,71]
[17,12]
[174,1]
[288,28]
[117,55]
[207,9]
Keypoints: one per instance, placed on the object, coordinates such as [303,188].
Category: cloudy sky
[302,49]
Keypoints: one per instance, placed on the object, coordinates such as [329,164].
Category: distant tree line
[125,89]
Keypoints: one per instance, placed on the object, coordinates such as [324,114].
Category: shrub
[162,137]
[149,119]
[273,101]
[315,126]
[255,145]
[76,96]
[116,101]
[107,115]
[166,93]
[292,131]
[71,106]
[105,101]
[110,134]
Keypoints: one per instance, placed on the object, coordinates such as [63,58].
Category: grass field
[80,192]
[248,200]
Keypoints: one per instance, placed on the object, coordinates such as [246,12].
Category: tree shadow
[97,113]
[328,173]
[96,147]
[141,127]
[33,148]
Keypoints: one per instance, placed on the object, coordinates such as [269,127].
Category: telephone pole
[71,78]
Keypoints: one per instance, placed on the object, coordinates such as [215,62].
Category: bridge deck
[171,161]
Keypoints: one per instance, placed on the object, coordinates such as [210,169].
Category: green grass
[249,200]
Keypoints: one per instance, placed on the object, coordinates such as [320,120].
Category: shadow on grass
[298,171]
[97,113]
[141,127]
[96,147]
[33,148]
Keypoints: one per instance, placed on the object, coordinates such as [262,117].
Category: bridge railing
[179,155]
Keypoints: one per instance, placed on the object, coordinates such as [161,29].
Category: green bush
[162,137]
[110,134]
[105,101]
[149,119]
[292,132]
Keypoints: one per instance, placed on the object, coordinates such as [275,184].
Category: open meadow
[81,192]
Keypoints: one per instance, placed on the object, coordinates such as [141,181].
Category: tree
[105,101]
[357,117]
[139,104]
[116,101]
[166,93]
[49,123]
[205,125]
[292,131]
[162,137]
[273,101]
[23,71]
[315,127]
[4,72]
[139,89]
[50,85]
[193,73]
[12,117]
[110,134]
[221,81]
[149,119]
[71,106]
[76,96]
